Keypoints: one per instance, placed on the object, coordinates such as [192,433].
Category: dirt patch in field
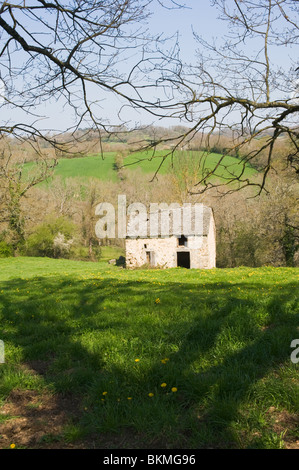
[286,425]
[29,419]
[37,421]
[34,420]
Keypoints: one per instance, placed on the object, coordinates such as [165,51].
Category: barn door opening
[183,259]
[150,258]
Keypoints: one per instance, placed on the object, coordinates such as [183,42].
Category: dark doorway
[183,259]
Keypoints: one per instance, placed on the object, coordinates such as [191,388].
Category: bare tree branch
[238,90]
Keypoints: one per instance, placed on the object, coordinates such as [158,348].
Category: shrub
[5,250]
[53,238]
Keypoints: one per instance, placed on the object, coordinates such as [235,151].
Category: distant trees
[258,231]
[70,53]
[235,100]
[15,182]
[239,89]
[119,161]
[58,219]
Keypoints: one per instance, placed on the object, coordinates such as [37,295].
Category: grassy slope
[96,167]
[226,333]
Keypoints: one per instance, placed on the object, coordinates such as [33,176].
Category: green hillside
[94,166]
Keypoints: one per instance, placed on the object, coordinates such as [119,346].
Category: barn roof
[163,220]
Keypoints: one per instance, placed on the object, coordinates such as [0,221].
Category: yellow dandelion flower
[12,446]
[163,385]
[137,360]
[129,398]
[174,389]
[150,394]
[157,300]
[105,393]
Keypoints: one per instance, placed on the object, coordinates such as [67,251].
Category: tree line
[234,98]
[57,218]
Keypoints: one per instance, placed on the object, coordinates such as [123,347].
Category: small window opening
[183,241]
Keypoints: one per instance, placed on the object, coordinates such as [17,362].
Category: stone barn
[195,247]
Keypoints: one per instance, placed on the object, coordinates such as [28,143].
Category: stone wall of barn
[202,251]
[164,249]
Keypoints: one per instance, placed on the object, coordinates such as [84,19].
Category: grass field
[102,357]
[96,167]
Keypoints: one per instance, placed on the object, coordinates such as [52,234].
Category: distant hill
[103,168]
[94,166]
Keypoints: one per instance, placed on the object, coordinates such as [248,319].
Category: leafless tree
[15,184]
[73,52]
[239,91]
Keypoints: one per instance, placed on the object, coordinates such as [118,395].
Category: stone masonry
[190,251]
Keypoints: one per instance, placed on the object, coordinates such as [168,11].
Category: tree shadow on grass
[82,338]
[242,376]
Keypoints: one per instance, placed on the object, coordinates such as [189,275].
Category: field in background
[99,356]
[93,166]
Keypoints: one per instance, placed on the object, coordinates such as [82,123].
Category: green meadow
[168,359]
[94,166]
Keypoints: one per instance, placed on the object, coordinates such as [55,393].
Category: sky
[198,15]
[165,21]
